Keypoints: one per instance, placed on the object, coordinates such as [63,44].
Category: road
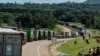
[34,48]
[37,48]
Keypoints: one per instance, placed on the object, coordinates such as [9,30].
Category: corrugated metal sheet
[3,30]
[1,44]
[10,44]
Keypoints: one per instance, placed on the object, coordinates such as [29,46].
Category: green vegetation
[58,29]
[72,49]
[95,32]
[76,24]
[47,15]
[72,29]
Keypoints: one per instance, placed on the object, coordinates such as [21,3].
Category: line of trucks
[35,35]
[11,41]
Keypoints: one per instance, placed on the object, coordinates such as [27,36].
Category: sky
[40,1]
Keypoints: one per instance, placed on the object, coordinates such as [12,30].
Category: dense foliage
[47,15]
[92,2]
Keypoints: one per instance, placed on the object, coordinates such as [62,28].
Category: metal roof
[8,30]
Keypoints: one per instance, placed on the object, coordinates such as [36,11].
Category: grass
[72,49]
[76,24]
[58,29]
[3,24]
[95,31]
[72,29]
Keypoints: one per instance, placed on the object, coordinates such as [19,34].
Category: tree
[7,18]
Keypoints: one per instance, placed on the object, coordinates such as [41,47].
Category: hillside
[92,2]
[48,15]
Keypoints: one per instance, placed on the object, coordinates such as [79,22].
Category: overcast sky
[40,1]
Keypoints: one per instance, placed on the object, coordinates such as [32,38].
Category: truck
[10,42]
[30,35]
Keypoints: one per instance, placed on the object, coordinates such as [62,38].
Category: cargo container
[36,35]
[66,34]
[63,34]
[72,34]
[69,34]
[46,34]
[53,34]
[24,39]
[59,35]
[41,35]
[30,34]
[49,35]
[10,42]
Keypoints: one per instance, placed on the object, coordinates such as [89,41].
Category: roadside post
[54,40]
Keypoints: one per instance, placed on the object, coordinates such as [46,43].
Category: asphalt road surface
[37,48]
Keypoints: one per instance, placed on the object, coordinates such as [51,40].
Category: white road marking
[39,49]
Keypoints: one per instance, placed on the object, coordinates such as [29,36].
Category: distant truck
[30,35]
